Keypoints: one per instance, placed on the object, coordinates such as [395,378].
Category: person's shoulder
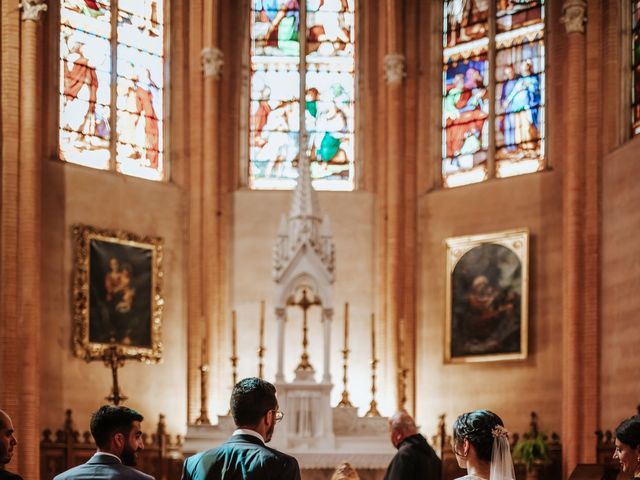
[6,475]
[135,473]
[72,472]
[287,462]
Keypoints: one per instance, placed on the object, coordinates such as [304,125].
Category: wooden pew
[593,472]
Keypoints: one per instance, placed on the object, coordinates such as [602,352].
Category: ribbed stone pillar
[394,73]
[29,238]
[573,235]
[195,250]
[212,296]
[10,351]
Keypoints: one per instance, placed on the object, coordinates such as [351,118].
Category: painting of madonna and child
[118,292]
[487,282]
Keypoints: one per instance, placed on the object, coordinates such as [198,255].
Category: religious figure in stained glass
[466,20]
[520,98]
[635,72]
[465,113]
[277,66]
[517,107]
[88,42]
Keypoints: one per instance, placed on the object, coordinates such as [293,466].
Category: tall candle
[233,333]
[346,326]
[261,324]
[373,336]
[401,342]
[205,341]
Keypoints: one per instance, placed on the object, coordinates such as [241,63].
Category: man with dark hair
[116,431]
[7,443]
[415,458]
[245,456]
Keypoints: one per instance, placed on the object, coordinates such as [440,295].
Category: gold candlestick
[344,402]
[402,371]
[261,348]
[203,419]
[373,405]
[234,346]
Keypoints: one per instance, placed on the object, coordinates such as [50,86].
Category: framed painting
[117,294]
[487,297]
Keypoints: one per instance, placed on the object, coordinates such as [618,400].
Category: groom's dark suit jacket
[242,457]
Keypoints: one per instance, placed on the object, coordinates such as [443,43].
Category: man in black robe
[415,458]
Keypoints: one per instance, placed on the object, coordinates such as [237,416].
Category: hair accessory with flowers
[499,431]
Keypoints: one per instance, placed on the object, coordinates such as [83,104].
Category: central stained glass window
[302,51]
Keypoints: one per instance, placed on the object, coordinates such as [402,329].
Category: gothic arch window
[112,85]
[635,65]
[302,50]
[493,89]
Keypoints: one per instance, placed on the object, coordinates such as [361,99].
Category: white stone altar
[318,435]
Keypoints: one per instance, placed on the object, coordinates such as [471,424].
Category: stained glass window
[302,49]
[635,100]
[111,85]
[493,89]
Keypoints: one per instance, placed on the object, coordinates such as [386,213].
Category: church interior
[450,227]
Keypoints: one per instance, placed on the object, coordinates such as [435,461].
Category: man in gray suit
[116,431]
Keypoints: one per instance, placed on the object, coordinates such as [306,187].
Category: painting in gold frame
[487,297]
[117,294]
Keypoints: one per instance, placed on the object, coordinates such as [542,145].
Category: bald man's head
[7,439]
[401,426]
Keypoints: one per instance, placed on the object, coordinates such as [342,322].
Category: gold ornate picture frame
[487,297]
[117,294]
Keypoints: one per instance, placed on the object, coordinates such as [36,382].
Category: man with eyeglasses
[245,456]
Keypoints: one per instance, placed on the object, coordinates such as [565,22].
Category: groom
[245,456]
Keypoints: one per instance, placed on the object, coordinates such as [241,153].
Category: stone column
[196,322]
[29,236]
[394,65]
[212,296]
[327,319]
[574,12]
[10,350]
[281,318]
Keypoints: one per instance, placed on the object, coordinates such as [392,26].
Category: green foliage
[532,449]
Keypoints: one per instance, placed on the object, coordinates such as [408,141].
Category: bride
[481,445]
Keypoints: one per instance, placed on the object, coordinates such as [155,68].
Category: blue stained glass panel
[519,105]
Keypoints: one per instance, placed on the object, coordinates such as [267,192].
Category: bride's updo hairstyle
[628,432]
[477,427]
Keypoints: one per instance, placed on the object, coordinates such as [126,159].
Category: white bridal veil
[501,463]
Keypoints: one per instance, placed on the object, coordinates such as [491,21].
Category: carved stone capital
[394,70]
[31,9]
[212,62]
[574,15]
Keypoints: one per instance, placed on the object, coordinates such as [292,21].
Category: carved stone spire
[304,226]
